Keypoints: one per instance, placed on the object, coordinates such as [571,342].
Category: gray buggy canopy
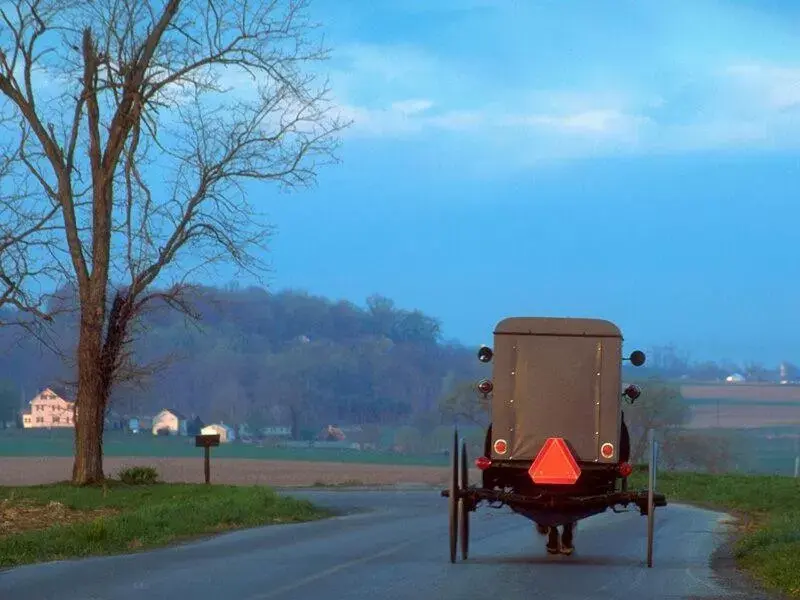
[556,377]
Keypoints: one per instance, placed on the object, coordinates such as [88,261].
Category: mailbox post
[206,442]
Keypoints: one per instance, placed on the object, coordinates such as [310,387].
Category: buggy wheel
[463,506]
[454,498]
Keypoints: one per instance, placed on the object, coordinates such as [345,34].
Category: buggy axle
[473,496]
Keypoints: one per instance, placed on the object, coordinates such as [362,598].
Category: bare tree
[660,407]
[464,401]
[145,124]
[26,234]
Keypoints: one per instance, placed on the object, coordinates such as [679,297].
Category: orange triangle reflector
[555,464]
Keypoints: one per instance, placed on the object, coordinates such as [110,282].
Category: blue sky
[637,161]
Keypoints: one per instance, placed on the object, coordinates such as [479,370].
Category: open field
[743,391]
[770,450]
[743,416]
[741,406]
[59,443]
[33,471]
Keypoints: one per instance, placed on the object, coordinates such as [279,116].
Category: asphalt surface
[393,545]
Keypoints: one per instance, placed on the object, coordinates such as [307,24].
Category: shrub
[139,476]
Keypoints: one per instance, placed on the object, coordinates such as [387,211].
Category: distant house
[279,432]
[139,424]
[49,409]
[114,421]
[194,425]
[170,422]
[226,432]
[331,433]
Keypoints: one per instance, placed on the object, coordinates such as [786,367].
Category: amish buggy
[557,448]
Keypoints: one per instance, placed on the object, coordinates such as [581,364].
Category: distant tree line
[262,358]
[670,363]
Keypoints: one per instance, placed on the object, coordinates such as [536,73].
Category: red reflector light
[483,463]
[625,469]
[500,447]
[555,464]
[607,450]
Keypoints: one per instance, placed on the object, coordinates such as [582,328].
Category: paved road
[393,545]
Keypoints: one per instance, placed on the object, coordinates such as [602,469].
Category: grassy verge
[53,522]
[769,509]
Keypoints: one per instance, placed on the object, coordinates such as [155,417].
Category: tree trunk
[97,364]
[90,402]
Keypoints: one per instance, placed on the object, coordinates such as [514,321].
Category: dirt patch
[24,515]
[235,471]
[746,416]
[743,391]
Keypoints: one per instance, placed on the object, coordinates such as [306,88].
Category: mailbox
[206,441]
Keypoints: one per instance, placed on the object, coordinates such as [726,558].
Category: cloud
[408,117]
[776,88]
[403,92]
[411,107]
[590,122]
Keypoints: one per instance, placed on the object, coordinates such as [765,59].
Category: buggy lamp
[485,354]
[485,386]
[637,358]
[632,391]
[483,463]
[625,469]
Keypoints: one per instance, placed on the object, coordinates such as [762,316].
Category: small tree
[464,402]
[134,126]
[660,407]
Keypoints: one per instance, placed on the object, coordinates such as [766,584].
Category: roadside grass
[769,511]
[60,521]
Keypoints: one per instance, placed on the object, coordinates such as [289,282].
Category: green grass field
[14,443]
[753,453]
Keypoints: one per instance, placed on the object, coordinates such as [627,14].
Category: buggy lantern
[633,392]
[485,354]
[485,386]
[625,469]
[637,358]
[483,463]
